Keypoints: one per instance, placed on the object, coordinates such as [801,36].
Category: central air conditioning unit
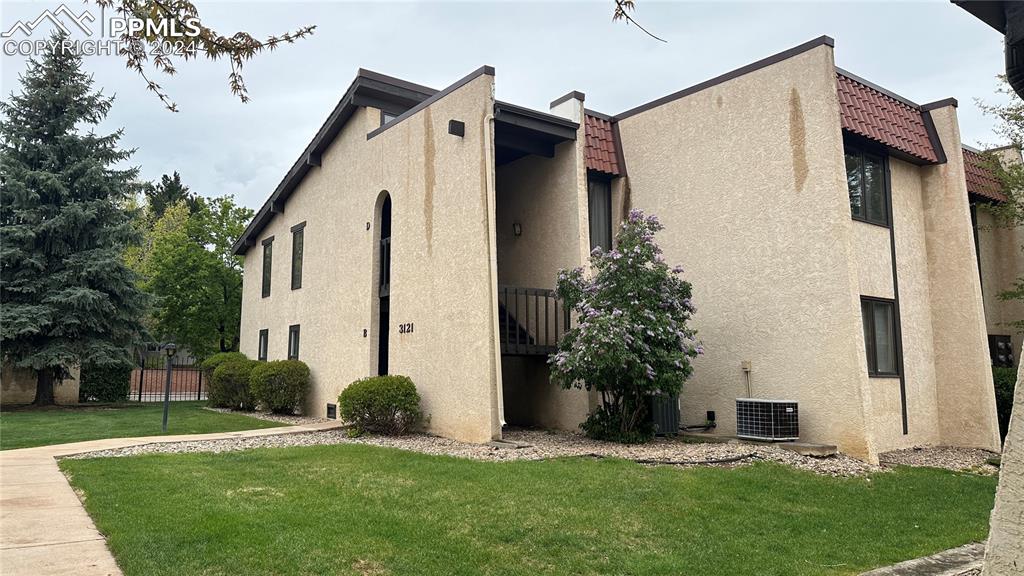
[767,420]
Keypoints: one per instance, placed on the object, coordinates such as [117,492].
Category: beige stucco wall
[1004,555]
[886,423]
[759,218]
[18,386]
[443,266]
[964,392]
[1002,263]
[548,198]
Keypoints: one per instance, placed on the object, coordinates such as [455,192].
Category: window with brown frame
[879,316]
[261,350]
[866,182]
[293,342]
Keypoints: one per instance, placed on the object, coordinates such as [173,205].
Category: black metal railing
[149,379]
[530,320]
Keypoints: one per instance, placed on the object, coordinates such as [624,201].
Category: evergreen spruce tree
[66,296]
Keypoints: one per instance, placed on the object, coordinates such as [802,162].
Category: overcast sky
[924,51]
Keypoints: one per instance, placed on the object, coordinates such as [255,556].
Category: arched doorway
[384,286]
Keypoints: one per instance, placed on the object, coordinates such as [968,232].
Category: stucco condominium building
[823,221]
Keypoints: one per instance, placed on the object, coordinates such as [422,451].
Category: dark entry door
[384,291]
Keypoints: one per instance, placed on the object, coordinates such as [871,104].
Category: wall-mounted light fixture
[517,229]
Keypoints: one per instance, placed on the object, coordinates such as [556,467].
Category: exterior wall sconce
[517,229]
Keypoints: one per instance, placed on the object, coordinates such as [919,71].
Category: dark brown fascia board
[874,86]
[933,136]
[619,153]
[574,95]
[753,67]
[597,114]
[365,80]
[939,104]
[556,126]
[384,78]
[481,71]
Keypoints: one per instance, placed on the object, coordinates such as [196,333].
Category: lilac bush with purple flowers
[630,338]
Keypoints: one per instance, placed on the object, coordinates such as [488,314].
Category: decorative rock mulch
[534,445]
[295,420]
[957,459]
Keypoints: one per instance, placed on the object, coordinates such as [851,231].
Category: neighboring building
[18,386]
[825,230]
[1000,256]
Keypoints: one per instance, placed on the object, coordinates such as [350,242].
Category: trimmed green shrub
[382,404]
[211,363]
[104,383]
[229,385]
[280,386]
[1005,380]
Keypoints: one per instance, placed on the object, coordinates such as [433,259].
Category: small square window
[261,351]
[879,316]
[293,342]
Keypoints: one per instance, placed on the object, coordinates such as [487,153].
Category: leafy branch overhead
[622,10]
[157,48]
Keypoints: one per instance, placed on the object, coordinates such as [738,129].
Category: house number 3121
[405,328]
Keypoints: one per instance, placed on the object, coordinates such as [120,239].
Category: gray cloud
[924,51]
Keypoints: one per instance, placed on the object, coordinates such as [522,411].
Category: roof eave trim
[311,155]
[742,71]
[481,71]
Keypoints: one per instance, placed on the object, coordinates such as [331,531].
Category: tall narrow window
[599,199]
[293,342]
[298,233]
[879,318]
[865,179]
[268,256]
[261,351]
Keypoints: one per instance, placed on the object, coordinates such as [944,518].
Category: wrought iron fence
[150,377]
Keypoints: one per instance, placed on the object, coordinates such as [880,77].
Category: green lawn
[28,427]
[356,509]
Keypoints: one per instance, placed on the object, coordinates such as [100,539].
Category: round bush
[382,404]
[211,363]
[229,385]
[280,386]
[109,383]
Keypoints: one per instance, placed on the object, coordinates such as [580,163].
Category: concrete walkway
[44,530]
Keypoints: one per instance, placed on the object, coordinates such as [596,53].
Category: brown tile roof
[980,180]
[878,116]
[601,151]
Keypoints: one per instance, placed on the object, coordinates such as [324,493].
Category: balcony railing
[530,321]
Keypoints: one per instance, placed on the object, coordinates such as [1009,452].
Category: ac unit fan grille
[769,420]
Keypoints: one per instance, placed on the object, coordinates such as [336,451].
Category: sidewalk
[44,530]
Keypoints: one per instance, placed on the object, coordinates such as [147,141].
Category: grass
[27,427]
[361,510]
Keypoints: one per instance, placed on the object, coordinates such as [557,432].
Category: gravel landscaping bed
[294,420]
[971,459]
[534,445]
